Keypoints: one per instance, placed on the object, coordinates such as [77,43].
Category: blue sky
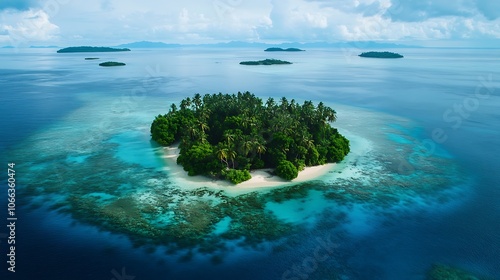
[112,22]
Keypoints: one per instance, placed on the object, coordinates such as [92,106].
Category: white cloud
[108,22]
[375,20]
[169,21]
[26,27]
[298,20]
[316,20]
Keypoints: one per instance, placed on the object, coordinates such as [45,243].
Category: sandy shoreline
[261,179]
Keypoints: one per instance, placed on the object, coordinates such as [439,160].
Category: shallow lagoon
[92,174]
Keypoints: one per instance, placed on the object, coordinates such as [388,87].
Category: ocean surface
[94,199]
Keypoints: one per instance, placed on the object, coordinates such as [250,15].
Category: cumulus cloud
[201,21]
[362,7]
[168,21]
[395,20]
[300,20]
[24,27]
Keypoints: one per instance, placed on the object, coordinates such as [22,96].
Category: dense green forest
[265,62]
[91,49]
[227,135]
[381,55]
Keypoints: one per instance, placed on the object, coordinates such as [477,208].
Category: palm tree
[185,103]
[204,113]
[231,154]
[306,141]
[203,137]
[326,114]
[229,137]
[284,103]
[222,155]
[246,146]
[203,126]
[197,101]
[193,131]
[283,123]
[307,113]
[173,108]
[259,148]
[248,122]
[292,106]
[270,102]
[331,115]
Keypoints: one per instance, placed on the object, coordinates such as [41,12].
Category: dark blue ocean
[421,186]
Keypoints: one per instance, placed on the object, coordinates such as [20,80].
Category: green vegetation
[91,58]
[226,136]
[443,272]
[265,62]
[283,50]
[236,176]
[381,55]
[111,63]
[91,49]
[287,170]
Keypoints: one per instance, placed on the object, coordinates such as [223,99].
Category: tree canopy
[227,135]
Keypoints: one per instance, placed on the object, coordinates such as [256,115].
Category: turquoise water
[135,147]
[95,195]
[300,210]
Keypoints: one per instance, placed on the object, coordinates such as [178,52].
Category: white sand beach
[261,179]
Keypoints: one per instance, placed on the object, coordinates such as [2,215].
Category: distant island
[225,136]
[265,62]
[91,58]
[111,63]
[381,55]
[147,44]
[283,50]
[91,49]
[43,47]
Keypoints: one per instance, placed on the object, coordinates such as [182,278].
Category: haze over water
[420,186]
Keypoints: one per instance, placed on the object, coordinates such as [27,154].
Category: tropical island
[381,55]
[265,62]
[225,136]
[91,49]
[111,64]
[283,50]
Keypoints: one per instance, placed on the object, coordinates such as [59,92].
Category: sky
[451,23]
